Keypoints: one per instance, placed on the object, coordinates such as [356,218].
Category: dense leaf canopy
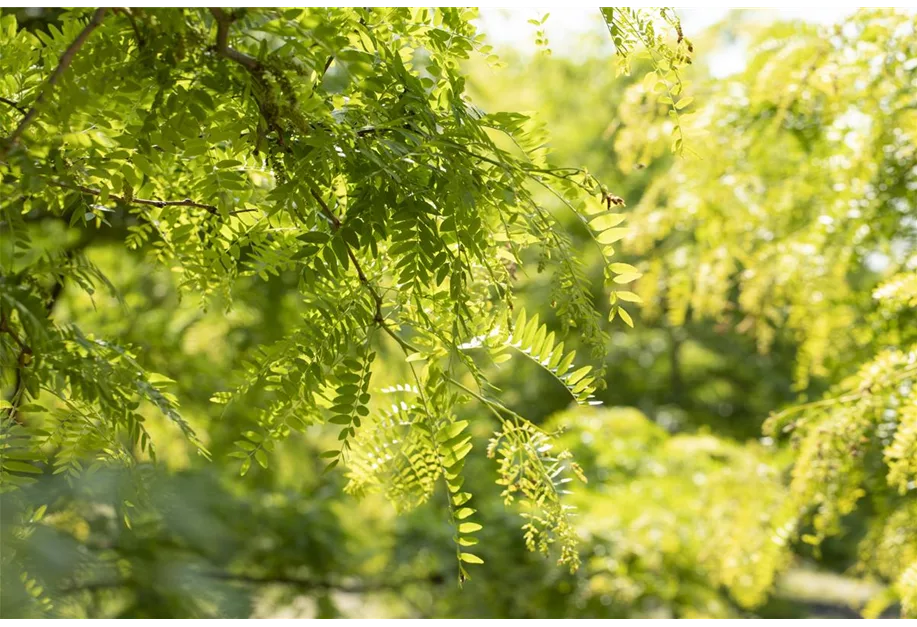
[322,168]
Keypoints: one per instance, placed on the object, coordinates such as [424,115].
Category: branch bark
[224,20]
[55,76]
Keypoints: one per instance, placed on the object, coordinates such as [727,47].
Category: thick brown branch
[224,21]
[62,66]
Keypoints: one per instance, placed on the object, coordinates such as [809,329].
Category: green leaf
[606,220]
[17,466]
[470,558]
[452,430]
[464,513]
[610,236]
[469,527]
[627,278]
[623,268]
[629,297]
[684,102]
[579,374]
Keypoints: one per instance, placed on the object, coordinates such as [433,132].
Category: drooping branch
[55,76]
[224,20]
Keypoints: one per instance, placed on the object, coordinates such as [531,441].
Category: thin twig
[187,202]
[22,360]
[14,104]
[55,76]
[336,225]
[845,398]
[405,345]
[141,42]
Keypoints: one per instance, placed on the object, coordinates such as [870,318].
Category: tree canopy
[291,305]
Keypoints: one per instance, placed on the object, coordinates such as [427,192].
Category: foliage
[790,233]
[861,441]
[256,262]
[798,196]
[677,522]
[628,27]
[326,157]
[796,224]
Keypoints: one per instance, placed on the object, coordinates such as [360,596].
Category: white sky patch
[568,28]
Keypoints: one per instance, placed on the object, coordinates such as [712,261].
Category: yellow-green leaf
[470,558]
[611,236]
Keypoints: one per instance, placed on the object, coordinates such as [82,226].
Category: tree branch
[187,202]
[224,20]
[23,360]
[62,66]
[141,42]
[301,583]
[13,104]
[336,225]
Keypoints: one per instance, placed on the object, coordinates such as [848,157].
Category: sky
[565,25]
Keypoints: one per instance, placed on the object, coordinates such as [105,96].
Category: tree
[779,269]
[316,181]
[796,224]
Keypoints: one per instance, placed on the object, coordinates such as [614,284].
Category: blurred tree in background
[308,246]
[778,262]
